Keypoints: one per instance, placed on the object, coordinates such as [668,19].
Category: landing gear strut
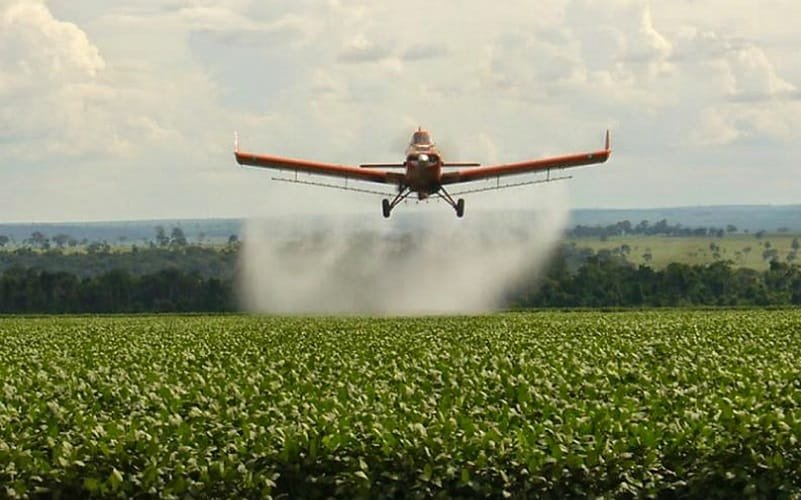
[457,205]
[404,192]
[387,206]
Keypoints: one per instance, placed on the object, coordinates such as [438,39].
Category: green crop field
[667,403]
[743,250]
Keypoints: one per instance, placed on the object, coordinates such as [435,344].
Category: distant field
[744,250]
[671,404]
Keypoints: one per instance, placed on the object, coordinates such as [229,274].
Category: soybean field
[555,404]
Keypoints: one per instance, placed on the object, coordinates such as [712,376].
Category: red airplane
[424,171]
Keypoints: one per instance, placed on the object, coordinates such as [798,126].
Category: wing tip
[608,141]
[236,142]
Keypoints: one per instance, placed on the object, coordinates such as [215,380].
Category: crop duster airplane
[424,172]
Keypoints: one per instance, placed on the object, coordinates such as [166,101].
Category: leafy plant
[664,403]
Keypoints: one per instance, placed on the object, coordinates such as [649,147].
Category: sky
[126,110]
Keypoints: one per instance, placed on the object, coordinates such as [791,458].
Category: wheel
[459,207]
[386,208]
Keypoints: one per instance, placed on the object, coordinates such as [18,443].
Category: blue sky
[126,111]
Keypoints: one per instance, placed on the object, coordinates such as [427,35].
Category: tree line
[597,282]
[175,238]
[212,262]
[32,291]
[646,228]
[608,281]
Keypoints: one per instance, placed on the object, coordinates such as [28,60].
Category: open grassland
[743,250]
[557,404]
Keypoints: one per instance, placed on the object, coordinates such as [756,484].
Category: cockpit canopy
[421,137]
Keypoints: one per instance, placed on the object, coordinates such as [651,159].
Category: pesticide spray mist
[423,261]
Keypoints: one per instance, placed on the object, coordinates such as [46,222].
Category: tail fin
[236,142]
[608,143]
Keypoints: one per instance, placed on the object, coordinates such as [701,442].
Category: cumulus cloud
[754,76]
[620,36]
[36,44]
[739,93]
[49,81]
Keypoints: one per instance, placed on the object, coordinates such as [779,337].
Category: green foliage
[195,279]
[704,404]
[606,280]
[98,258]
[169,290]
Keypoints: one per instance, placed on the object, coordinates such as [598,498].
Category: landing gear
[457,205]
[387,206]
[404,192]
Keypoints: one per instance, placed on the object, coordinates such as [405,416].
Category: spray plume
[419,262]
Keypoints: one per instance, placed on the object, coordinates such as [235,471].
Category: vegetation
[626,266]
[603,280]
[97,258]
[646,228]
[742,250]
[703,404]
[575,279]
[169,290]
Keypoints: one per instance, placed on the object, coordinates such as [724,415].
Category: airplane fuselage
[423,165]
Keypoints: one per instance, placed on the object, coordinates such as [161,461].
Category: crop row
[559,404]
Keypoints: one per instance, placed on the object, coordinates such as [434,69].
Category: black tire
[386,208]
[459,207]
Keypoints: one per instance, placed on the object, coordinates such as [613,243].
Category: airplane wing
[526,167]
[382,165]
[460,164]
[313,167]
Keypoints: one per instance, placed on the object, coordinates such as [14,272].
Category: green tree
[770,254]
[177,238]
[38,239]
[161,237]
[61,240]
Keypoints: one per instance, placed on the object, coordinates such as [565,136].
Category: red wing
[312,167]
[525,167]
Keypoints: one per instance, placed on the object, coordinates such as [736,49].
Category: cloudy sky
[125,110]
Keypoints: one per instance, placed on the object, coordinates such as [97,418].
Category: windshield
[421,137]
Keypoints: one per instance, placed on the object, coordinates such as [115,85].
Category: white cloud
[739,92]
[49,83]
[54,48]
[755,77]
